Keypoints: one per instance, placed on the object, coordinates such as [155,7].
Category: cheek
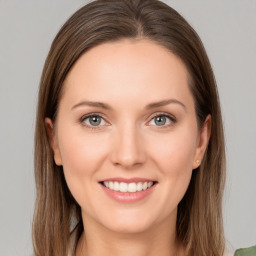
[174,158]
[174,152]
[81,157]
[80,153]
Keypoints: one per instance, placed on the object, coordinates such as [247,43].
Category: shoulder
[251,251]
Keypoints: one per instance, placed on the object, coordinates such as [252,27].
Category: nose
[127,148]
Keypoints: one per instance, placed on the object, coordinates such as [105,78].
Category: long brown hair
[199,220]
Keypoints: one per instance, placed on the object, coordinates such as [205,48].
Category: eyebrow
[164,103]
[149,106]
[92,104]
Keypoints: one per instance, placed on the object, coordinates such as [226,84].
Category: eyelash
[82,120]
[170,117]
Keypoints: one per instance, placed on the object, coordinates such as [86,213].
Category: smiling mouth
[131,187]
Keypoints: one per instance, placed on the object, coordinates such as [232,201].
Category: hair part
[199,220]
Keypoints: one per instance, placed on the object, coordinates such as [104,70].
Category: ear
[203,140]
[53,140]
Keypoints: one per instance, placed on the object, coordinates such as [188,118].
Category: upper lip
[128,180]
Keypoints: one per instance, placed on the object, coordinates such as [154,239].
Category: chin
[129,224]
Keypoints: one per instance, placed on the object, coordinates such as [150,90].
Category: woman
[129,145]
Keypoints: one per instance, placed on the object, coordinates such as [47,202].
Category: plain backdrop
[27,28]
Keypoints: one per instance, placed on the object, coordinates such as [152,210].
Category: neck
[100,241]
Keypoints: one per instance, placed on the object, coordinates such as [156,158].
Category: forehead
[127,68]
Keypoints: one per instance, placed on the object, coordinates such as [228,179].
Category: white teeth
[150,184]
[123,187]
[127,187]
[116,186]
[139,186]
[111,185]
[145,186]
[132,187]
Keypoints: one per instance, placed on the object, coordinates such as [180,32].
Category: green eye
[162,120]
[94,120]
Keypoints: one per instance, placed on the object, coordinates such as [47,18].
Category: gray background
[27,27]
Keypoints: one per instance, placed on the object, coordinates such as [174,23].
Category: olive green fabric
[246,252]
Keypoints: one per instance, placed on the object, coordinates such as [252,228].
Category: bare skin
[128,136]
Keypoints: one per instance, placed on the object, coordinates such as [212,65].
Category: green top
[246,252]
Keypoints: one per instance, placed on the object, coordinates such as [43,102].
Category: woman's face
[126,121]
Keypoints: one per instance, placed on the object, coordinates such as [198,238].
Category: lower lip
[128,196]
